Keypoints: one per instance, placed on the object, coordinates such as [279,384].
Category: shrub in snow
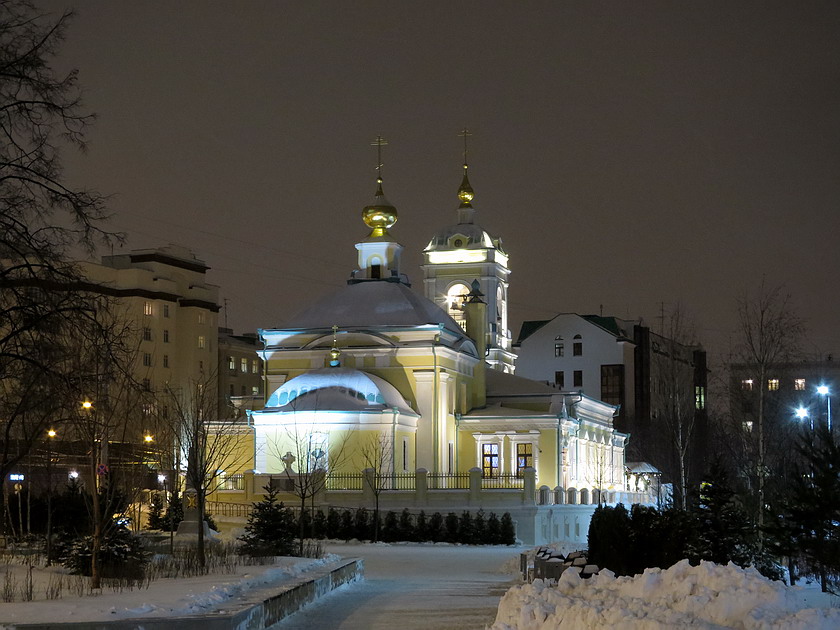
[451,525]
[422,527]
[155,512]
[494,530]
[436,532]
[508,529]
[121,555]
[271,528]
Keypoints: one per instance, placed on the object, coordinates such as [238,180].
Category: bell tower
[461,253]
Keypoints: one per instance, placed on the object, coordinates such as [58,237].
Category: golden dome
[465,192]
[381,215]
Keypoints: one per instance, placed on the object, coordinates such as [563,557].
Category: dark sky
[628,153]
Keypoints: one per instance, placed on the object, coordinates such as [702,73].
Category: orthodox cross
[465,134]
[379,142]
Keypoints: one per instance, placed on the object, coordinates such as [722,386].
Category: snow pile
[708,596]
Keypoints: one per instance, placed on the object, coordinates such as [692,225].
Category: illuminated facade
[459,254]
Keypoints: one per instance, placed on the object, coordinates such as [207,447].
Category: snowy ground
[163,598]
[709,597]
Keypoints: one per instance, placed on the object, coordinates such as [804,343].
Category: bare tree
[676,405]
[207,442]
[770,333]
[378,458]
[41,218]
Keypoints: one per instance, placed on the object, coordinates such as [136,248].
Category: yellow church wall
[547,461]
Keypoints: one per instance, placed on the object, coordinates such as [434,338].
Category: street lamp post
[50,436]
[823,390]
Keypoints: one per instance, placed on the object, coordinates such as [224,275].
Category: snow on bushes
[708,596]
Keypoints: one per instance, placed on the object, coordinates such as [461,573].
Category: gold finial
[335,353]
[465,192]
[381,215]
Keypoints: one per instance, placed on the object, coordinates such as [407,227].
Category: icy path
[415,587]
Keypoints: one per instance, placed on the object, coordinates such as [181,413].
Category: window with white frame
[490,459]
[148,308]
[243,365]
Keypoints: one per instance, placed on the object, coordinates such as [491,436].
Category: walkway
[415,587]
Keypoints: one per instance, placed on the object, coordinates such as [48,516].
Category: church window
[380,399]
[371,397]
[455,301]
[560,379]
[376,271]
[489,460]
[524,457]
[284,398]
[578,376]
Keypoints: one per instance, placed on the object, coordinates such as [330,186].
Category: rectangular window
[243,365]
[255,366]
[255,390]
[202,317]
[232,364]
[799,384]
[772,384]
[147,334]
[166,310]
[612,384]
[577,349]
[165,336]
[148,308]
[489,460]
[202,342]
[231,390]
[578,378]
[147,385]
[558,349]
[560,379]
[747,384]
[242,391]
[699,397]
[524,457]
[147,359]
[166,360]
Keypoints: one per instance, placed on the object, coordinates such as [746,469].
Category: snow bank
[708,596]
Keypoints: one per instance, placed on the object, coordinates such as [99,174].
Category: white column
[424,440]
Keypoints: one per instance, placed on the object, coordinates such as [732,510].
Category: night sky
[628,153]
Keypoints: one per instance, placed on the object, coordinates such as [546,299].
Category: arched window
[577,346]
[455,301]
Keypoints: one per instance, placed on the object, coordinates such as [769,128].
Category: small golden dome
[381,215]
[465,192]
[335,353]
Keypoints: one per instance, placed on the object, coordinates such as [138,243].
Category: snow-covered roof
[503,384]
[642,467]
[477,238]
[373,304]
[336,389]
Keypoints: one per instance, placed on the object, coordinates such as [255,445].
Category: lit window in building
[524,457]
[243,365]
[255,390]
[166,360]
[202,317]
[166,310]
[577,347]
[772,384]
[799,384]
[147,334]
[699,397]
[255,366]
[148,308]
[147,359]
[560,379]
[231,364]
[165,336]
[578,376]
[489,460]
[558,346]
[747,384]
[202,342]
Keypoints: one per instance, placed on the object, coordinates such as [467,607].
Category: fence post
[421,485]
[475,485]
[529,486]
[248,485]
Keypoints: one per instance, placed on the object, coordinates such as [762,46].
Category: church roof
[372,305]
[477,238]
[503,384]
[336,389]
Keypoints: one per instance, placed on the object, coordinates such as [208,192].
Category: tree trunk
[202,560]
[761,385]
[96,509]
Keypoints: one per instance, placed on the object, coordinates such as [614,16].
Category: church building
[426,382]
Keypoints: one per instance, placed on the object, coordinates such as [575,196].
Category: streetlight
[802,413]
[50,435]
[823,390]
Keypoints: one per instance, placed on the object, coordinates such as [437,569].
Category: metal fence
[451,481]
[344,481]
[219,508]
[506,480]
[234,482]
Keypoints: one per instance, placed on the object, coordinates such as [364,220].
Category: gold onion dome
[381,215]
[465,192]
